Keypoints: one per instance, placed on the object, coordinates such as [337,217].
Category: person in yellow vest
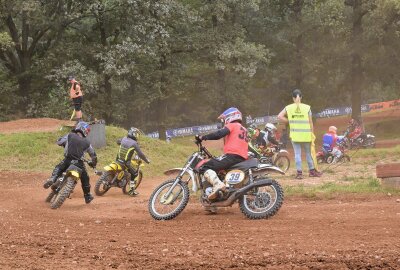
[75,93]
[301,128]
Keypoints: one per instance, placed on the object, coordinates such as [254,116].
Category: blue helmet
[230,115]
[83,128]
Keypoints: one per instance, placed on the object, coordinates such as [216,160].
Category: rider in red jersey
[235,148]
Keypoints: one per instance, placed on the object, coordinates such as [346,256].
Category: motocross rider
[235,149]
[354,129]
[75,145]
[129,147]
[329,143]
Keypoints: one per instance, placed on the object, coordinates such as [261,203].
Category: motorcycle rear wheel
[64,193]
[263,203]
[138,180]
[170,205]
[101,186]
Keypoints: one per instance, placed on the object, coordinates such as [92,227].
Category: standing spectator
[299,117]
[75,93]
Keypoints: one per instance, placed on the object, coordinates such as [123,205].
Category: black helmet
[296,92]
[133,133]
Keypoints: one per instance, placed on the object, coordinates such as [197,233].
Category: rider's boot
[49,182]
[132,191]
[213,179]
[88,197]
[86,191]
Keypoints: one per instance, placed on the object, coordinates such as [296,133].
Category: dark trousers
[63,166]
[221,163]
[129,167]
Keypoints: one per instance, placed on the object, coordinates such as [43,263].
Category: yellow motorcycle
[116,175]
[65,185]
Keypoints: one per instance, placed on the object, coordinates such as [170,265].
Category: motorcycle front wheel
[64,193]
[282,162]
[262,202]
[162,207]
[102,185]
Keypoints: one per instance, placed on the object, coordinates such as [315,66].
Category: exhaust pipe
[240,192]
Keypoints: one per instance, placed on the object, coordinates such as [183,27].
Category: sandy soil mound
[32,125]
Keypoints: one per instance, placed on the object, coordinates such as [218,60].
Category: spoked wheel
[330,159]
[64,193]
[369,143]
[138,180]
[162,207]
[283,163]
[102,185]
[263,202]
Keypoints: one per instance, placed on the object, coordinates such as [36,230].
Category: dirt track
[116,231]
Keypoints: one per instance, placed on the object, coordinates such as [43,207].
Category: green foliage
[174,63]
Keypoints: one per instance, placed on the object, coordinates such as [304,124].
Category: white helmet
[270,127]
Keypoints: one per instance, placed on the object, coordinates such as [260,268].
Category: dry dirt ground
[116,231]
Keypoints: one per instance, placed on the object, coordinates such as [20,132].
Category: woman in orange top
[75,93]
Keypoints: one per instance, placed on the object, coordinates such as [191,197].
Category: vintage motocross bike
[324,156]
[274,155]
[65,185]
[116,175]
[248,182]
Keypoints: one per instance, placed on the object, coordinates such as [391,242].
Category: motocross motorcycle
[363,140]
[65,185]
[248,182]
[275,156]
[328,157]
[117,175]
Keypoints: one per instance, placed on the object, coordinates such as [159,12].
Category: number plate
[234,177]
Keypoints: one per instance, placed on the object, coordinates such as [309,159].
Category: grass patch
[38,151]
[328,190]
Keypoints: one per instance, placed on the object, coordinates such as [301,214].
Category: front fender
[189,171]
[262,167]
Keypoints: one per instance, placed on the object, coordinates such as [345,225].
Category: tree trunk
[299,45]
[356,73]
[161,109]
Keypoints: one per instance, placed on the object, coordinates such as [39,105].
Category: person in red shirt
[235,148]
[75,93]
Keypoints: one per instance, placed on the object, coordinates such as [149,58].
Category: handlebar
[202,148]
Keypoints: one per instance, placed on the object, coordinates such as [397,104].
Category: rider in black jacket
[75,145]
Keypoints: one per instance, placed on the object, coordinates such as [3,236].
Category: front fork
[177,180]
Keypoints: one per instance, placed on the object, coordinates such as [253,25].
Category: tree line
[158,64]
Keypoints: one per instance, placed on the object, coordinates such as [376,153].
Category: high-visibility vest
[299,122]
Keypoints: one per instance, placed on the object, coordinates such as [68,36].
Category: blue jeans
[297,154]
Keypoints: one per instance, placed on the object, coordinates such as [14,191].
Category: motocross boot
[213,179]
[49,182]
[88,197]
[132,192]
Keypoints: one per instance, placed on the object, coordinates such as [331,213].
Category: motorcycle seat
[245,165]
